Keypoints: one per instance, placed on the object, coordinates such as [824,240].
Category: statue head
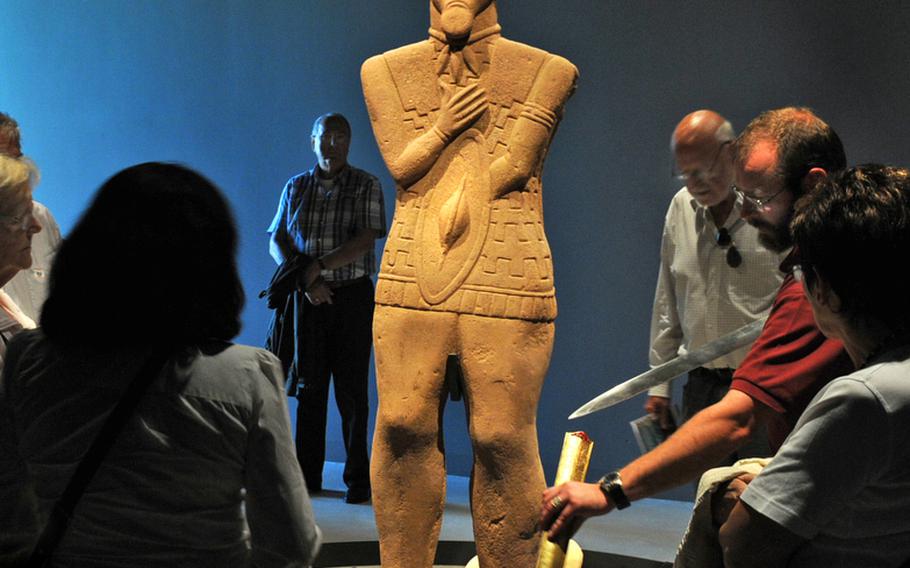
[456,18]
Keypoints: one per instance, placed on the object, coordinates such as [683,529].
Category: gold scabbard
[573,466]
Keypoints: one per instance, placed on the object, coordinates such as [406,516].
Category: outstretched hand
[565,507]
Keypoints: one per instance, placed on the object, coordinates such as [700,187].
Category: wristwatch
[611,485]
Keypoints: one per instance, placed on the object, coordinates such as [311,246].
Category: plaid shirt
[318,221]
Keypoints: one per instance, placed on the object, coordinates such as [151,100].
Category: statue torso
[453,246]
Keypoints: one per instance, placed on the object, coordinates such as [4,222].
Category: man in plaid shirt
[332,214]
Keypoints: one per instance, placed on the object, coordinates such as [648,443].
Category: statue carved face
[457,16]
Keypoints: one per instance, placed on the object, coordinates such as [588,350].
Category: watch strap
[611,485]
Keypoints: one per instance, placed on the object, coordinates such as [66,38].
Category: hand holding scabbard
[573,466]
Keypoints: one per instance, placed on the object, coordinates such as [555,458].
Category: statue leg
[504,363]
[408,465]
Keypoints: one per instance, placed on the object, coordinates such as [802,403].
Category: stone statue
[463,121]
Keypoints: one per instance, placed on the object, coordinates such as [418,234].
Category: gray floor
[650,530]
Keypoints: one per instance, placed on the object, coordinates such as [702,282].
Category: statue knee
[499,442]
[404,432]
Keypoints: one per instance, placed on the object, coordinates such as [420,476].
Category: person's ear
[812,178]
[824,294]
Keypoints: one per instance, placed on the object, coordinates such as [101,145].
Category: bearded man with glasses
[714,275]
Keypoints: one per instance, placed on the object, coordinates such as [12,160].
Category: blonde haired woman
[17,226]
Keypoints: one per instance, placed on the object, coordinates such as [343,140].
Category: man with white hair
[714,275]
[28,288]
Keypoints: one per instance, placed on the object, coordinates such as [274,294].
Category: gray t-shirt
[842,478]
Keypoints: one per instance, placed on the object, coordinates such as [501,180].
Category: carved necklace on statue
[467,58]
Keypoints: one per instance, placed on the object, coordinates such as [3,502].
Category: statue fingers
[464,92]
[469,115]
[476,98]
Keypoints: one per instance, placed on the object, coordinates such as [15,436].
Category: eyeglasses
[698,175]
[755,202]
[724,240]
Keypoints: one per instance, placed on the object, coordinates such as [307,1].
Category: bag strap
[63,510]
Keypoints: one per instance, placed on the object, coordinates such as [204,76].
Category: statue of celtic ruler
[463,121]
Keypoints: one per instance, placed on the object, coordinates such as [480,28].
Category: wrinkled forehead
[758,166]
[330,127]
[696,155]
[16,200]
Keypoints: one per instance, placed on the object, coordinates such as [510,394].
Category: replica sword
[675,367]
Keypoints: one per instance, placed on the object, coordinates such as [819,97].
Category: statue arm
[553,86]
[417,158]
[410,161]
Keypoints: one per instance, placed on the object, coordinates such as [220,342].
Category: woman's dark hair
[853,229]
[152,261]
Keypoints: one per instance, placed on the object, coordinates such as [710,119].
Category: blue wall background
[231,87]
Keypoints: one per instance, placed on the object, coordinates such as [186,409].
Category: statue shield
[454,218]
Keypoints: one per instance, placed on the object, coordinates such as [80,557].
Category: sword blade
[675,367]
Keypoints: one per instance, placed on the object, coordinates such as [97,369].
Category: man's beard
[775,238]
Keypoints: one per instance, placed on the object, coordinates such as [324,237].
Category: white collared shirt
[699,297]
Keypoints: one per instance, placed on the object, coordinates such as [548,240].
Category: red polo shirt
[790,361]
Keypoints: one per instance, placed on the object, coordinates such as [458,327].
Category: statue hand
[461,110]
